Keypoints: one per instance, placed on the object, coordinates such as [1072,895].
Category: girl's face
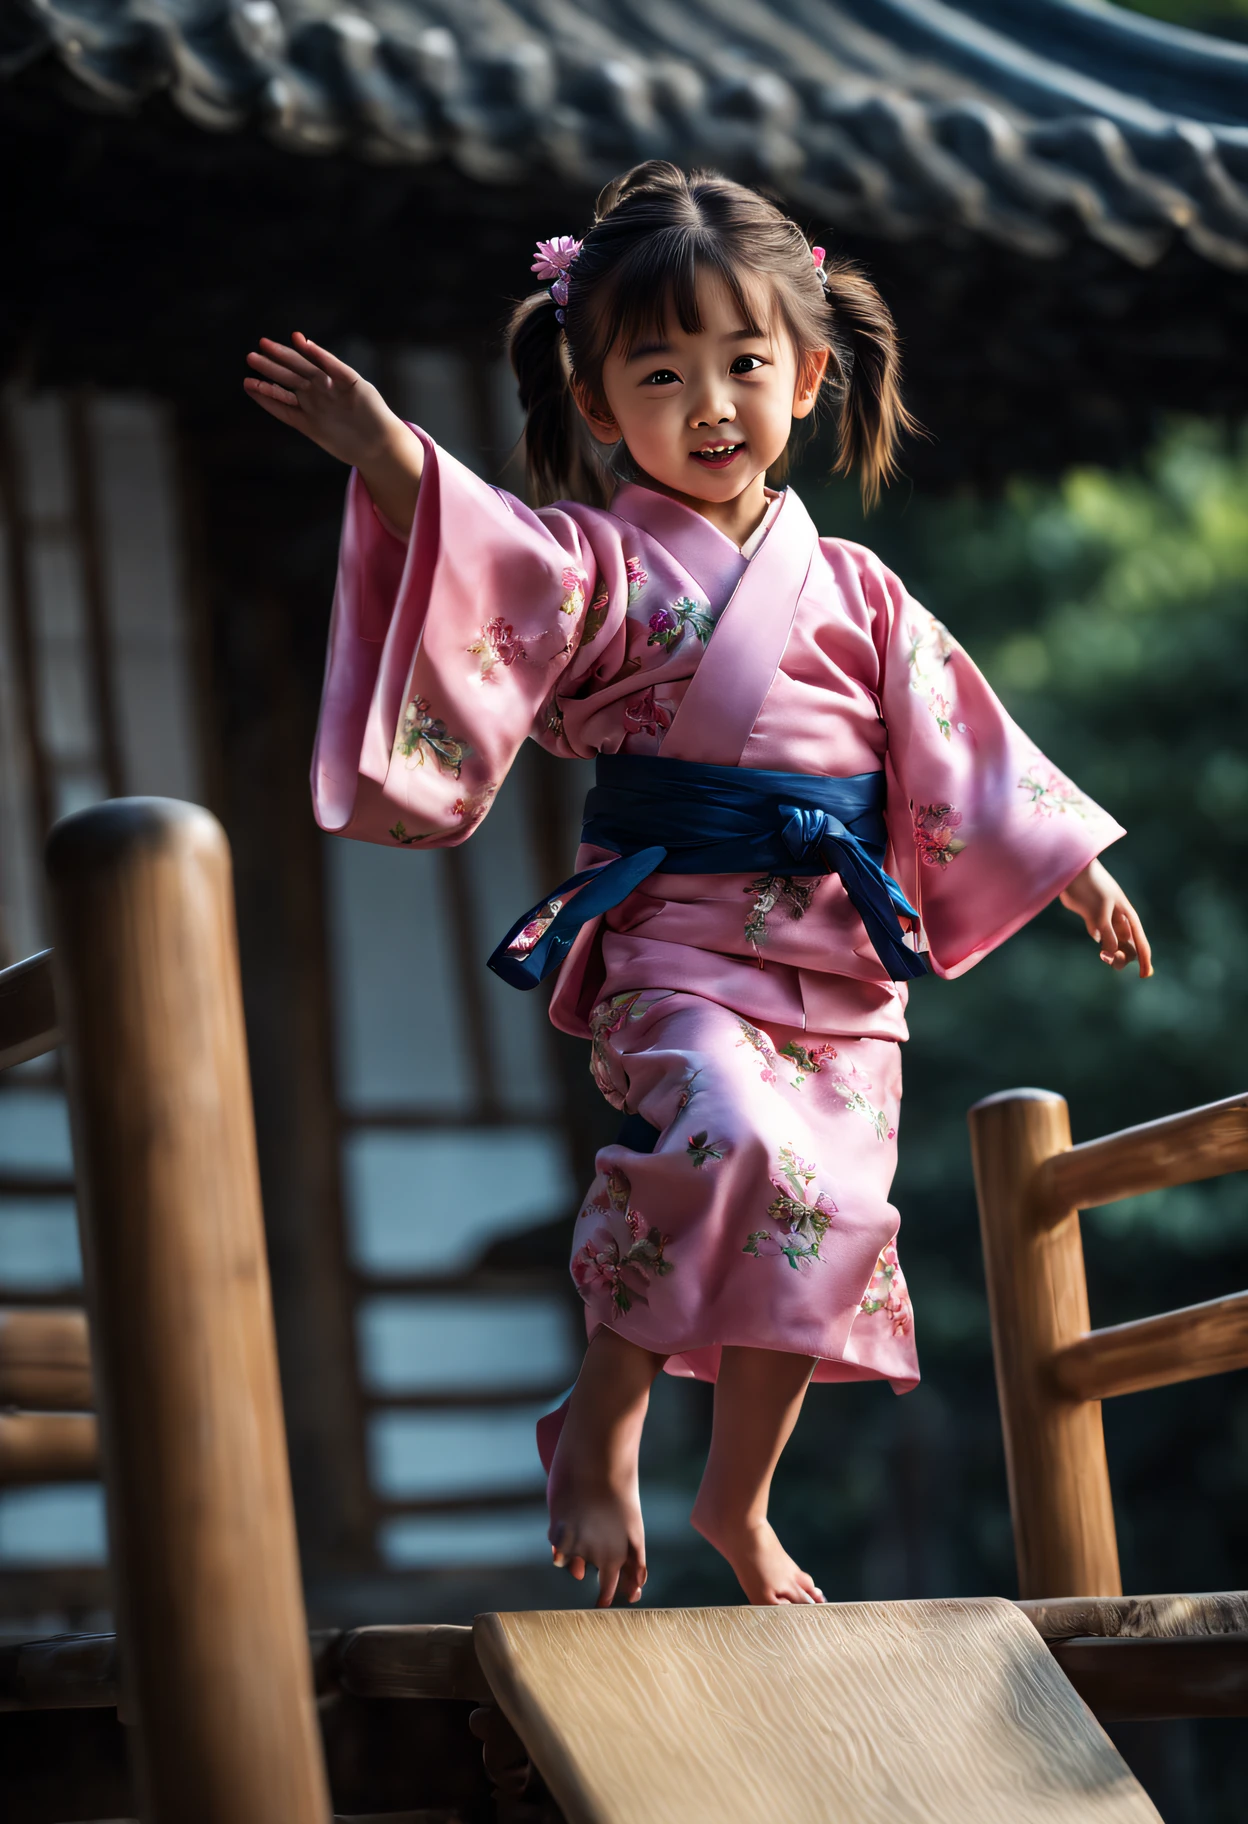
[706,415]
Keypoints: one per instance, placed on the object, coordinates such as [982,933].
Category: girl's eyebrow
[645,350]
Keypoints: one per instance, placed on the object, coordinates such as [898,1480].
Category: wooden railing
[143,991]
[1053,1369]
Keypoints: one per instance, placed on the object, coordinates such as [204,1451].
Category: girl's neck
[738,519]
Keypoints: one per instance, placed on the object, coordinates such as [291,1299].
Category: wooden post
[210,1613]
[1038,1298]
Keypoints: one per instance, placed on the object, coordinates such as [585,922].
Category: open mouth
[717,455]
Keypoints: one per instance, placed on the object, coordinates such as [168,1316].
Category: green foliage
[1226,18]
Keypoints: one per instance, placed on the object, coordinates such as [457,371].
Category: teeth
[717,449]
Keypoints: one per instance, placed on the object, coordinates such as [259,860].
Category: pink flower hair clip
[819,255]
[554,262]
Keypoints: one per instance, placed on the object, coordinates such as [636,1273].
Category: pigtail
[560,458]
[866,355]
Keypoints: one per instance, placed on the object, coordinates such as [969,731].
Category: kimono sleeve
[984,830]
[442,649]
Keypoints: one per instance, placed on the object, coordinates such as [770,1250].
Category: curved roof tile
[1030,122]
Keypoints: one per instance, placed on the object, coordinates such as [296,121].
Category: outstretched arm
[1109,917]
[314,392]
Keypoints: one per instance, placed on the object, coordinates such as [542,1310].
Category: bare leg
[595,1505]
[758,1396]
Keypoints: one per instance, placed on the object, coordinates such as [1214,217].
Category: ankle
[727,1523]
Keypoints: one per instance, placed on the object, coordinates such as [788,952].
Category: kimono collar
[707,554]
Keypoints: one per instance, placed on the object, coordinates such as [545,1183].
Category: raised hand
[314,392]
[1109,918]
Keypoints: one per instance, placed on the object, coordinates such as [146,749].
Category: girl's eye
[662,376]
[746,364]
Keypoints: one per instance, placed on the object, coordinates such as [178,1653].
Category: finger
[276,408]
[608,1583]
[290,358]
[268,389]
[328,364]
[1143,949]
[577,1568]
[1104,931]
[275,371]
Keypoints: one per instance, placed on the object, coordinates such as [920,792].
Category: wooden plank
[1139,1617]
[1182,1345]
[420,1661]
[201,1527]
[68,1672]
[48,1447]
[1060,1499]
[853,1713]
[28,1022]
[1179,1149]
[45,1360]
[1156,1680]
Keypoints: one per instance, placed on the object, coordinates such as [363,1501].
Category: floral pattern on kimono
[888,1292]
[935,834]
[803,1218]
[620,1269]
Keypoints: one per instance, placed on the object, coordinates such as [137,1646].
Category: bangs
[658,279]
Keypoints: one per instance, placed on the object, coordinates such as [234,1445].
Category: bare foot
[592,1490]
[763,1568]
[592,1522]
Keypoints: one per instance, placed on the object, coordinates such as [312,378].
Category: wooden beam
[1155,1680]
[421,1661]
[48,1447]
[1060,1497]
[1180,1149]
[45,1360]
[1158,1351]
[202,1541]
[1169,1617]
[28,1022]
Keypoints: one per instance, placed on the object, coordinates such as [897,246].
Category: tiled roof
[1033,123]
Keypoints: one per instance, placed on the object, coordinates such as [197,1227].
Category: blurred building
[1053,195]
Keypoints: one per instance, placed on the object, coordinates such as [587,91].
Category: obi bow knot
[689,818]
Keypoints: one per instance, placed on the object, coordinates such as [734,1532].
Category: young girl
[807,795]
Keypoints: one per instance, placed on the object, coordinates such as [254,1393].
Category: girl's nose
[709,413]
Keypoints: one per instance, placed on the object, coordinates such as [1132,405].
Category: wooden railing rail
[201,1525]
[28,1019]
[1180,1149]
[45,1360]
[1053,1369]
[1180,1345]
[48,1447]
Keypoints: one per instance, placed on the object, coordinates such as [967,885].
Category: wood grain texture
[1064,1536]
[420,1661]
[856,1713]
[1158,1680]
[213,1636]
[1182,1345]
[1139,1617]
[45,1361]
[48,1447]
[1179,1149]
[28,1022]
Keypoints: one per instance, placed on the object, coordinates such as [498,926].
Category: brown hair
[654,229]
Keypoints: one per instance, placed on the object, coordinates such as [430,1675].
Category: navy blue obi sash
[687,818]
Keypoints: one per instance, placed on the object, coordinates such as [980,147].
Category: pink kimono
[748,1020]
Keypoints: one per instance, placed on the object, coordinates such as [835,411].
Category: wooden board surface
[849,1713]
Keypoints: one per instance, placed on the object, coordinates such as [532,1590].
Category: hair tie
[819,255]
[554,261]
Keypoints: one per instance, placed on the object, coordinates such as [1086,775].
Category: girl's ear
[602,425]
[810,372]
